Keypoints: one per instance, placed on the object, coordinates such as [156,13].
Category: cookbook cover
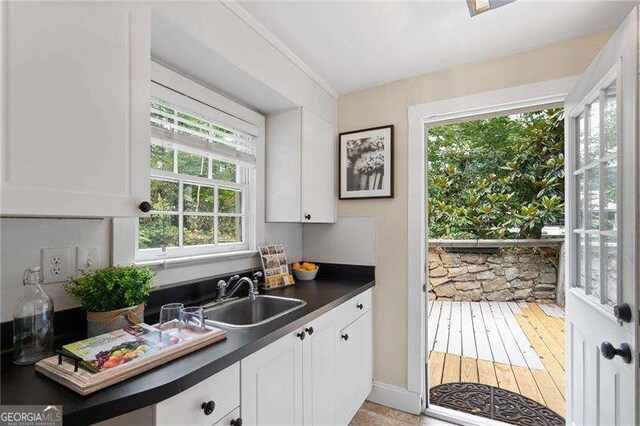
[128,344]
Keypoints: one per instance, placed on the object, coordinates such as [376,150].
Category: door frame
[481,105]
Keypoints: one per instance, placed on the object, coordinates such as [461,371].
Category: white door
[602,218]
[319,377]
[271,384]
[354,367]
[318,169]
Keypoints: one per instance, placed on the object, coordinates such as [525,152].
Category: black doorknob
[309,330]
[609,351]
[622,311]
[307,216]
[345,337]
[360,306]
[145,206]
[236,422]
[301,335]
[208,407]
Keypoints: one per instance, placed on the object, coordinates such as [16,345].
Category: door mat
[493,403]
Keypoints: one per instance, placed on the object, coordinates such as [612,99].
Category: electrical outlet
[55,264]
[87,258]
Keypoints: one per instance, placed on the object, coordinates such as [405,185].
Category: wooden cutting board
[85,382]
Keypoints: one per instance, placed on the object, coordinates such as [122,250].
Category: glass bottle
[32,321]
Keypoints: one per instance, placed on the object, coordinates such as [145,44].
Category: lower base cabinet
[354,367]
[318,375]
[271,383]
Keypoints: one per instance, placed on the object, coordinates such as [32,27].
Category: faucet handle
[222,284]
[257,275]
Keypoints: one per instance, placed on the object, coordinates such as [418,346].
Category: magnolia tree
[496,178]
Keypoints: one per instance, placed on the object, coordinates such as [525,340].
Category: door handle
[609,351]
[622,312]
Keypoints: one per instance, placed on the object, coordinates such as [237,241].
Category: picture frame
[365,163]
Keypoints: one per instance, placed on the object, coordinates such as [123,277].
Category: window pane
[610,119]
[158,230]
[193,165]
[197,198]
[222,170]
[594,265]
[580,201]
[580,260]
[198,230]
[158,119]
[229,201]
[581,140]
[164,195]
[161,158]
[611,194]
[611,268]
[593,200]
[229,229]
[593,143]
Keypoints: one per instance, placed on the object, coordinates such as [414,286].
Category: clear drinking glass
[191,322]
[32,321]
[170,316]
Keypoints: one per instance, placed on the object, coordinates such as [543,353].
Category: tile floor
[374,414]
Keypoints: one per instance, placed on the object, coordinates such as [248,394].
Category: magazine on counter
[121,346]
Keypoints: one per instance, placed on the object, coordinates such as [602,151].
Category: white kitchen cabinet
[271,384]
[300,168]
[354,367]
[206,403]
[77,108]
[319,371]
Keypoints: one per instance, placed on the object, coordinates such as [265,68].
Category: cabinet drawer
[186,407]
[352,309]
[226,420]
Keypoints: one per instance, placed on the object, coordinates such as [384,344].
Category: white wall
[22,239]
[20,244]
[350,241]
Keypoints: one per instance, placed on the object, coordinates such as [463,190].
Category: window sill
[184,260]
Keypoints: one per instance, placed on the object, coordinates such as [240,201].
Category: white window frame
[182,92]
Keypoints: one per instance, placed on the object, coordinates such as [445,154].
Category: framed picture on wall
[366,163]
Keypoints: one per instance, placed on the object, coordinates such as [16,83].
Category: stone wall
[508,275]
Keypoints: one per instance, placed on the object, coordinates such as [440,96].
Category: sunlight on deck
[515,346]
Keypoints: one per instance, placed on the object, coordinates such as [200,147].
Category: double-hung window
[202,179]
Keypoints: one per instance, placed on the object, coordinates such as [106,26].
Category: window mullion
[603,290]
[180,213]
[215,212]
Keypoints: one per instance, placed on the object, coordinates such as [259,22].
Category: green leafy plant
[111,288]
[490,177]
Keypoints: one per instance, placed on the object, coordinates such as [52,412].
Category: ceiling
[355,45]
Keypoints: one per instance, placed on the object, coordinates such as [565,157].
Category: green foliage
[111,288]
[487,176]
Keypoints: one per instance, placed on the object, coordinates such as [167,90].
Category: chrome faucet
[223,285]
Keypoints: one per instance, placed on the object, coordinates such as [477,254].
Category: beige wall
[387,104]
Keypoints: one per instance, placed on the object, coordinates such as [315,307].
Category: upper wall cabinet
[76,108]
[300,168]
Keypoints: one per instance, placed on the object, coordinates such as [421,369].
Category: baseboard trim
[395,397]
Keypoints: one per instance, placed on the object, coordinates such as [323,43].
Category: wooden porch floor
[515,346]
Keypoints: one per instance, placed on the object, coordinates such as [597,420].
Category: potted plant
[113,297]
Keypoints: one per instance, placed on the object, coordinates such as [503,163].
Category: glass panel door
[595,180]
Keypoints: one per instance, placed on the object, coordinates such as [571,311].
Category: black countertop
[24,386]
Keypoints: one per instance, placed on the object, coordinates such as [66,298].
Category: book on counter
[129,344]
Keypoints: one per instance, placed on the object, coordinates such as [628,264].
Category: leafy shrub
[492,175]
[111,288]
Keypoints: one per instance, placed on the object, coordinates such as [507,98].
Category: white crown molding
[252,22]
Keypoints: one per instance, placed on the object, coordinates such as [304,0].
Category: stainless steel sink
[243,313]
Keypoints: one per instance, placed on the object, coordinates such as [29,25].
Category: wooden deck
[515,346]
